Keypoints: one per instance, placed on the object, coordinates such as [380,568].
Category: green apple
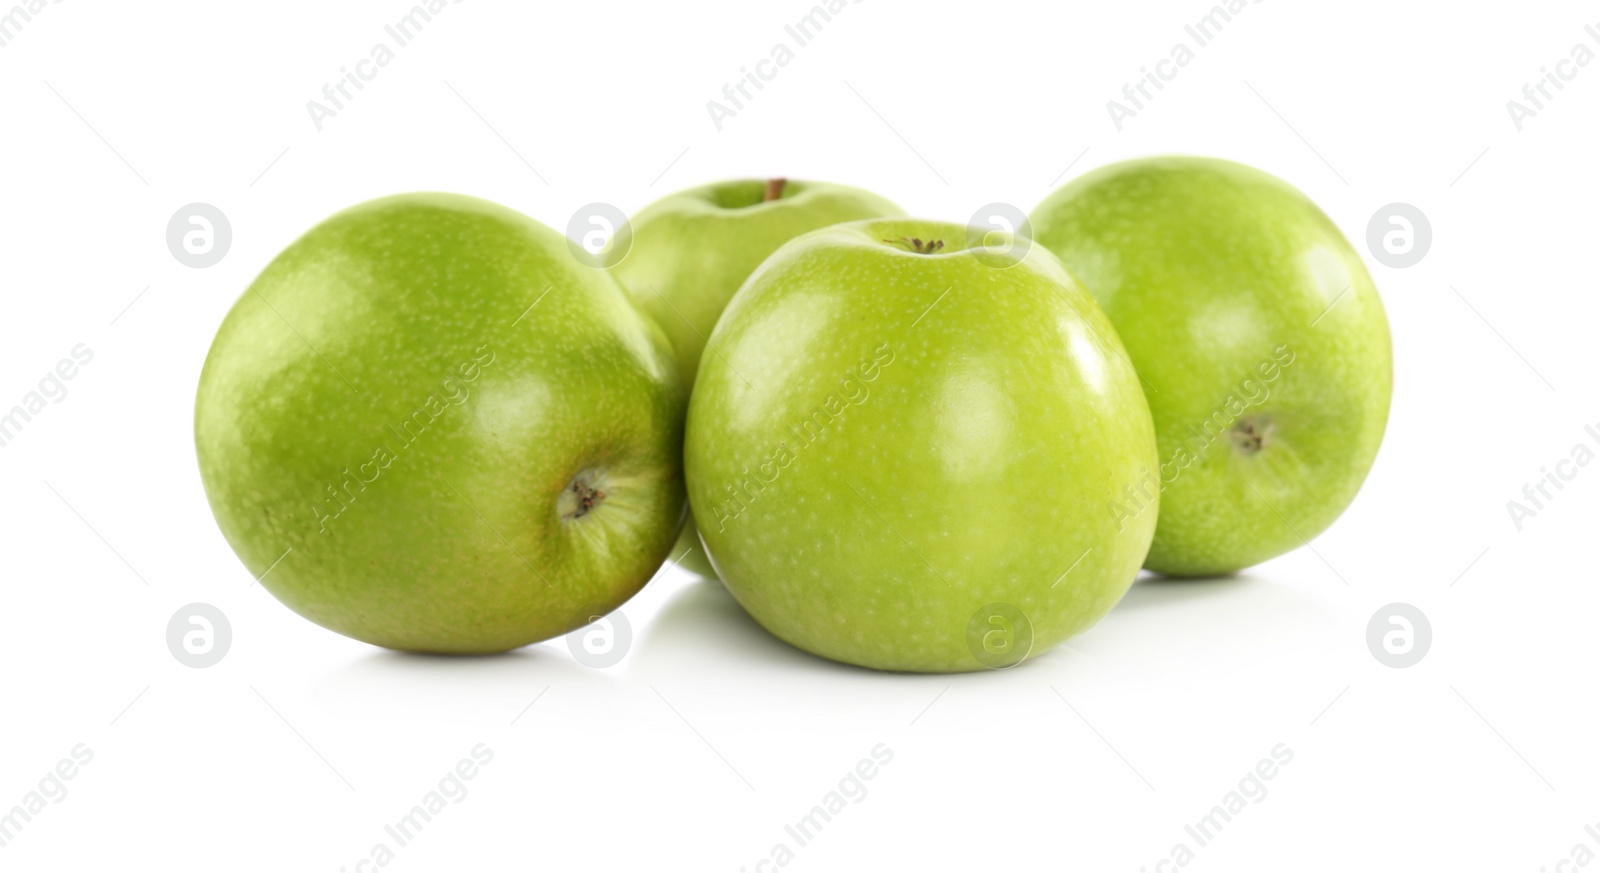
[692,250]
[902,453]
[1259,336]
[426,426]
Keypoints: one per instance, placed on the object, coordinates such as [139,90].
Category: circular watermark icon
[599,235]
[999,235]
[1399,635]
[199,235]
[199,635]
[1399,235]
[603,639]
[999,635]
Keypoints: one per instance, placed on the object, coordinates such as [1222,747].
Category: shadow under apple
[383,683]
[703,627]
[1173,626]
[1153,590]
[703,638]
[704,631]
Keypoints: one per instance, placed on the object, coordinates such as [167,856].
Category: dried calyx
[1251,435]
[581,496]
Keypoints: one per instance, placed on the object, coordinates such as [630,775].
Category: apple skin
[1225,284]
[891,441]
[446,368]
[693,249]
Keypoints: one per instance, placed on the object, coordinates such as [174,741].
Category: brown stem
[916,244]
[774,189]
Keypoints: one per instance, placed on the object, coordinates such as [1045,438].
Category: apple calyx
[1251,434]
[581,496]
[774,189]
[917,245]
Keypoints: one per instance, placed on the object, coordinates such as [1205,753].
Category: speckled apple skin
[985,417]
[693,249]
[1215,273]
[463,338]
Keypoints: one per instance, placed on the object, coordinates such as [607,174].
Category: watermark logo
[1138,94]
[199,235]
[199,635]
[1580,855]
[1399,235]
[1251,790]
[52,389]
[13,20]
[801,32]
[999,235]
[1246,433]
[603,640]
[450,790]
[338,94]
[51,789]
[853,390]
[1565,471]
[1536,95]
[599,235]
[850,789]
[337,499]
[1399,635]
[999,636]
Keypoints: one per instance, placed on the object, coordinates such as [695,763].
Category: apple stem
[774,189]
[917,245]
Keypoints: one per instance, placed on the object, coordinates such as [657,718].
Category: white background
[696,750]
